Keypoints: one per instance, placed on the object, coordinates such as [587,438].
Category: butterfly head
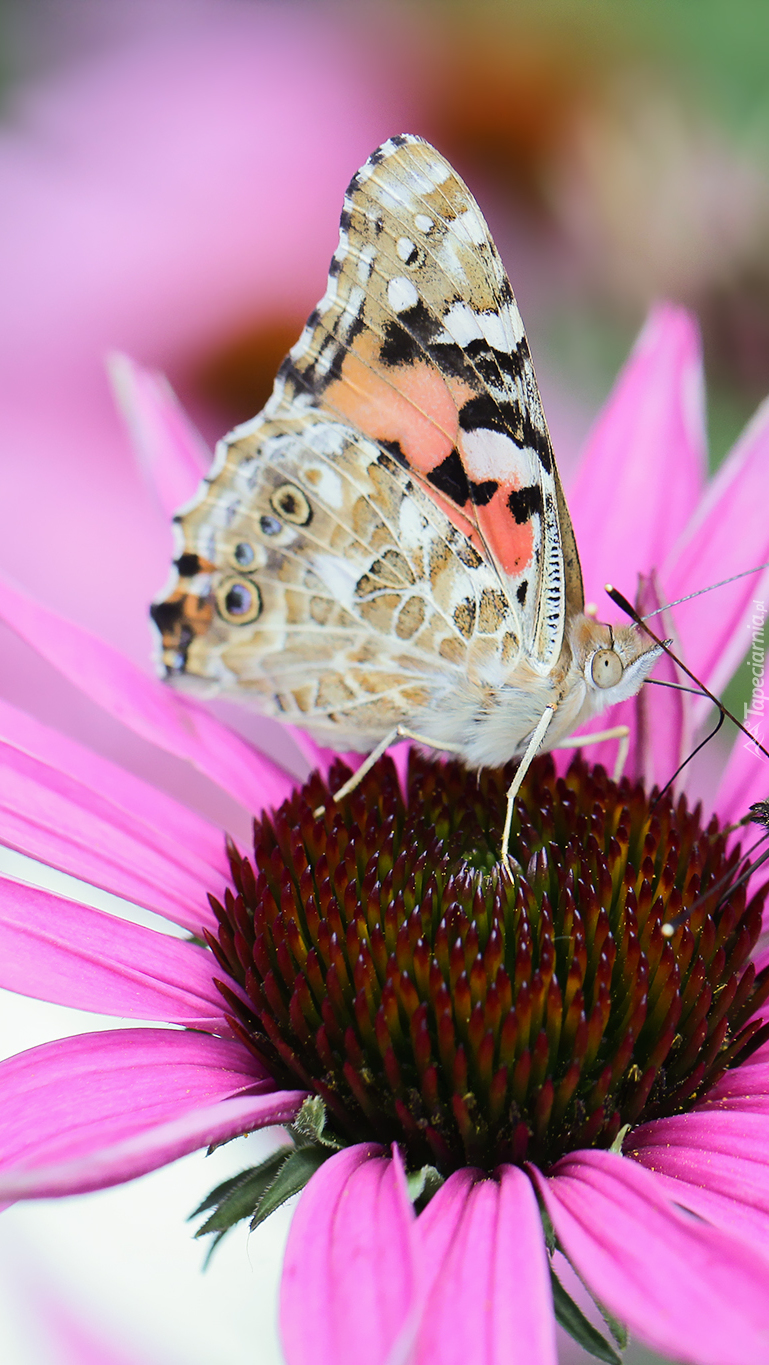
[614,660]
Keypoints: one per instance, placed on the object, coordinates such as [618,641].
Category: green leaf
[573,1321]
[238,1198]
[299,1167]
[309,1126]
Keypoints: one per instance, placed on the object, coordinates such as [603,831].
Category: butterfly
[385,551]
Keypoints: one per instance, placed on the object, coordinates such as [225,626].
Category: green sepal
[298,1167]
[237,1197]
[616,1146]
[422,1185]
[548,1229]
[573,1321]
[618,1329]
[309,1126]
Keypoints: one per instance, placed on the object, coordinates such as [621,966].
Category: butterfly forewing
[418,343]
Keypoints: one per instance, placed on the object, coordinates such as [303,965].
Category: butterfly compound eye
[606,668]
[238,601]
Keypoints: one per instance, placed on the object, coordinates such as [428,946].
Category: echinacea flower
[478,1078]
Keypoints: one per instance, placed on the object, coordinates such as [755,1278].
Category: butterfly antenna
[692,755]
[622,602]
[744,574]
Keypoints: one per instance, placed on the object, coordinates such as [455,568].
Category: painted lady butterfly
[386,550]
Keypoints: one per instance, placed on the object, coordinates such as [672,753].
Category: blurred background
[171,174]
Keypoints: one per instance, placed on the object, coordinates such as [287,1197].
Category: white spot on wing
[513,323]
[402,294]
[438,171]
[411,526]
[405,248]
[338,577]
[326,486]
[423,223]
[463,324]
[495,331]
[450,258]
[473,225]
[492,455]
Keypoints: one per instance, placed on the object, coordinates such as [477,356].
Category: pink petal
[663,715]
[94,1110]
[745,778]
[719,1163]
[729,533]
[48,815]
[731,1132]
[164,821]
[644,466]
[489,1298]
[746,1087]
[172,454]
[349,1274]
[686,1288]
[164,717]
[54,949]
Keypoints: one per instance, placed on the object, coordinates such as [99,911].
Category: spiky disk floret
[392,968]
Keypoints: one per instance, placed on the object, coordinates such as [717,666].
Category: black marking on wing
[490,362]
[482,493]
[408,337]
[450,478]
[525,502]
[521,591]
[395,449]
[512,419]
[188,565]
[166,615]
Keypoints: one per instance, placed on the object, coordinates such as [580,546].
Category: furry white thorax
[492,720]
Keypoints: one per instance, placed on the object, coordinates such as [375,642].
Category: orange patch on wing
[410,404]
[511,542]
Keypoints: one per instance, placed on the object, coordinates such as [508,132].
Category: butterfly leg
[620,732]
[537,736]
[398,732]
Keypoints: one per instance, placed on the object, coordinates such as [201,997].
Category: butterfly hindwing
[319,579]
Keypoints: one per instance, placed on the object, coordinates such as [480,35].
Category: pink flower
[171,190]
[672,1237]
